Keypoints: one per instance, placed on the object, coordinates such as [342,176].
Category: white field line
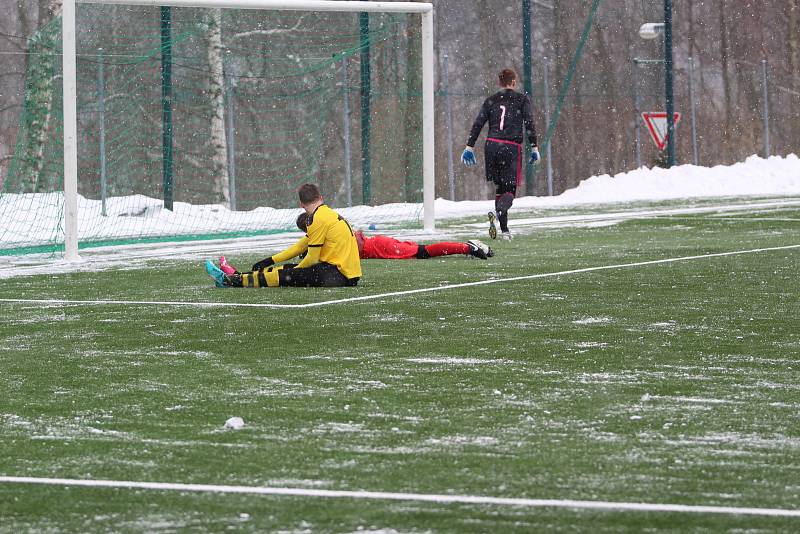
[648,213]
[61,302]
[392,496]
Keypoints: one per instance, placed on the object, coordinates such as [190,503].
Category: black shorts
[318,275]
[503,165]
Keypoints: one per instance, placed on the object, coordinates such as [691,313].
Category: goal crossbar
[352,6]
[70,86]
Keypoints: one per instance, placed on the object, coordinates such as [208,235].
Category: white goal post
[353,6]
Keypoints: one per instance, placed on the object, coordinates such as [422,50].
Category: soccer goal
[198,119]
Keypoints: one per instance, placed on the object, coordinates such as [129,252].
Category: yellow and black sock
[264,278]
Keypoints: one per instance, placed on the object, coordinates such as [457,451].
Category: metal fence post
[231,137]
[101,96]
[766,107]
[166,105]
[669,84]
[348,172]
[366,90]
[548,153]
[695,153]
[637,107]
[449,124]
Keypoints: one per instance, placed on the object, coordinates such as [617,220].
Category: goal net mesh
[258,102]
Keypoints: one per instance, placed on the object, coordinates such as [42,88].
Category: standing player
[508,113]
[331,253]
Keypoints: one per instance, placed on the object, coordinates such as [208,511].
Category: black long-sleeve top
[508,113]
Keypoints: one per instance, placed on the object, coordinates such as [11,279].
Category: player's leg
[494,171]
[492,225]
[435,250]
[504,201]
[216,274]
[263,278]
[226,267]
[477,249]
[318,275]
[506,182]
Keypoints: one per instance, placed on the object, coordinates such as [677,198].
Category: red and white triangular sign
[656,122]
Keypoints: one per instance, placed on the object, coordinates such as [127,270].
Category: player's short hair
[302,222]
[308,193]
[507,77]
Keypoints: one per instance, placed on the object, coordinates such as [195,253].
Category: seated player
[330,248]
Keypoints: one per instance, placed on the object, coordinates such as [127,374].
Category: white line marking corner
[419,497]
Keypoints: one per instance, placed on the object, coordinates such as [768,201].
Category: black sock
[502,205]
[503,218]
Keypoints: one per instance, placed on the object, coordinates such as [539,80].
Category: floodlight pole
[669,83]
[527,80]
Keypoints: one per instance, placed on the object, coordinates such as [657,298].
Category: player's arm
[312,258]
[316,237]
[477,126]
[286,254]
[468,156]
[530,129]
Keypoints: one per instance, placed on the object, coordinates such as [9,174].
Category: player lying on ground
[508,114]
[389,248]
[383,247]
[330,248]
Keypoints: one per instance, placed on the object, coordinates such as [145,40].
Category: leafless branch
[273,31]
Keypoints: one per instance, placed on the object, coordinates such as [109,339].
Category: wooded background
[728,40]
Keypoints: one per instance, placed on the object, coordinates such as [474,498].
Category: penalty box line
[394,496]
[398,293]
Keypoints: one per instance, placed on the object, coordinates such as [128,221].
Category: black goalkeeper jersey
[508,113]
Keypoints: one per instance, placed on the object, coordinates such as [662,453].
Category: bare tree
[793,59]
[215,92]
[726,81]
[39,92]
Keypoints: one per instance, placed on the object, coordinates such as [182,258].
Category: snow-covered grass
[671,383]
[32,220]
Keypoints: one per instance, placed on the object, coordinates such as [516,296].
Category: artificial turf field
[670,383]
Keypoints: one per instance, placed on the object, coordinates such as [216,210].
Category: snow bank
[776,176]
[32,219]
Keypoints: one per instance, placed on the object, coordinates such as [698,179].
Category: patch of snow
[592,320]
[454,361]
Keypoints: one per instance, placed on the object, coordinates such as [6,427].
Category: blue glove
[468,157]
[534,156]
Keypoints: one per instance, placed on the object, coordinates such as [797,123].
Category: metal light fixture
[651,30]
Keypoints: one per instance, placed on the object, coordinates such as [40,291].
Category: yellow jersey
[330,239]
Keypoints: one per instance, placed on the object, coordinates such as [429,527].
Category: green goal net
[259,102]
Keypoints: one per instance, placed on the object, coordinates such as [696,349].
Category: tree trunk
[413,116]
[793,46]
[39,98]
[215,92]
